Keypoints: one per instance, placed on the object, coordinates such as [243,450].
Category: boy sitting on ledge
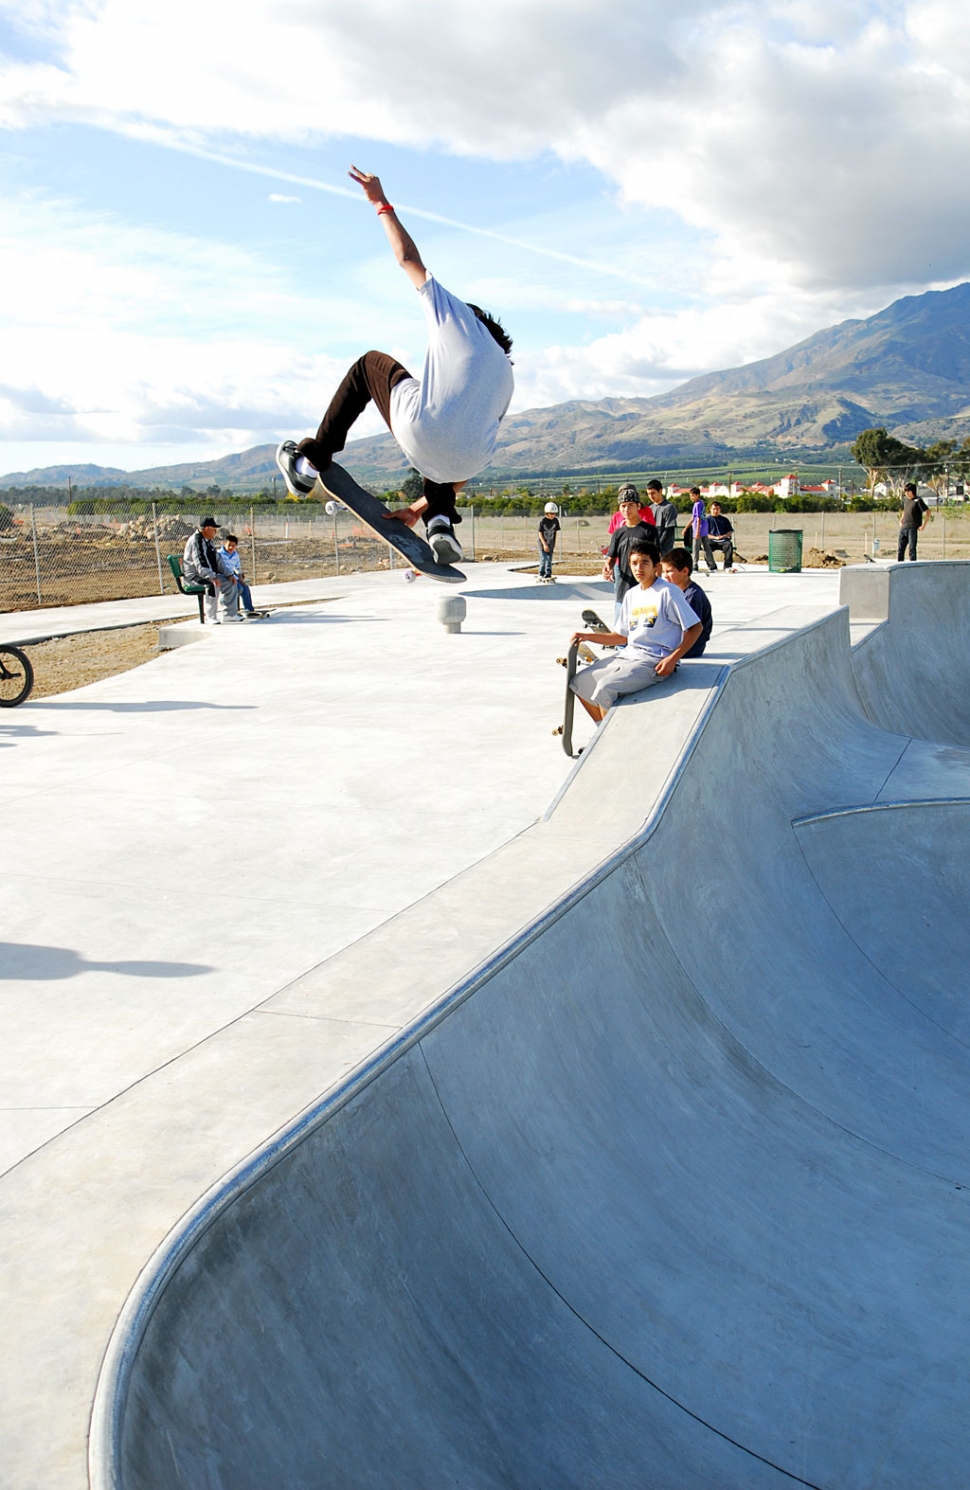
[656,629]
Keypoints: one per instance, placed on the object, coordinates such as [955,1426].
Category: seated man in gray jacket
[200,566]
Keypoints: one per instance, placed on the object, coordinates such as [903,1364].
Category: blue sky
[644,192]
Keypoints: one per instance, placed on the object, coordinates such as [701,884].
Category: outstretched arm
[399,238]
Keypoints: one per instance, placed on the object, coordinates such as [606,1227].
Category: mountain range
[907,367]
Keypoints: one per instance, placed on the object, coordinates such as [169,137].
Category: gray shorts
[603,681]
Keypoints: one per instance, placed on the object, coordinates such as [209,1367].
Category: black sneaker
[442,541]
[286,457]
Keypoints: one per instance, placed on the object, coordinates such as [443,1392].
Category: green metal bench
[175,564]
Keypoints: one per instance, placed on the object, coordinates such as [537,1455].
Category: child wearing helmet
[549,526]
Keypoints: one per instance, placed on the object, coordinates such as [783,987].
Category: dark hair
[230,538]
[695,491]
[680,559]
[644,546]
[910,486]
[655,485]
[496,329]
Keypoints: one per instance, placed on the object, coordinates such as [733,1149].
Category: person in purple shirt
[699,527]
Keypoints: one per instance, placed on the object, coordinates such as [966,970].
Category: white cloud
[834,133]
[114,335]
[817,145]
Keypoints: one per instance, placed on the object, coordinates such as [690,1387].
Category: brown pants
[371,377]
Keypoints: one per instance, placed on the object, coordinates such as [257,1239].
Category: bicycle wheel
[16,677]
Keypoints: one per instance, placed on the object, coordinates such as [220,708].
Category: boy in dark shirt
[677,569]
[912,520]
[618,554]
[721,533]
[549,526]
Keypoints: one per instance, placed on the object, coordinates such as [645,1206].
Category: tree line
[891,462]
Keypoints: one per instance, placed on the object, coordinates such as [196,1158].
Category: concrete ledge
[180,636]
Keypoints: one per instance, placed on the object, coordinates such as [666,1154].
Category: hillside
[907,367]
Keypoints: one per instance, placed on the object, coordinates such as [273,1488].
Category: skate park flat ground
[239,878]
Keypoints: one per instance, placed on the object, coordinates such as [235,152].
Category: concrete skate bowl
[674,1193]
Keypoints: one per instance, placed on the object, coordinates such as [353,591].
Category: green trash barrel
[785,551]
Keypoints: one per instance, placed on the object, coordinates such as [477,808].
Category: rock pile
[170,527]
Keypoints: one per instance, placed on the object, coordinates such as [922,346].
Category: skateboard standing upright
[338,483]
[566,728]
[578,652]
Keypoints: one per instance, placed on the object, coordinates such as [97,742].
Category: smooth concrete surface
[203,1003]
[672,1190]
[28,627]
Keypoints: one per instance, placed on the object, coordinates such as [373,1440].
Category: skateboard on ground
[338,483]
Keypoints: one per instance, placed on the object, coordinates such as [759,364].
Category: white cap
[551,507]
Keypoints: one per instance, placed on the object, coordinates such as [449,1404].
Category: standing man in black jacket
[664,515]
[912,521]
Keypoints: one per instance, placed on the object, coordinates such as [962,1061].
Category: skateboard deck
[566,728]
[338,483]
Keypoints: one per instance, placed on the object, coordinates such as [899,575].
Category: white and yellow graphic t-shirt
[655,620]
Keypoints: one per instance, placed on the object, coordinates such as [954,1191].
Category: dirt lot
[71,661]
[98,564]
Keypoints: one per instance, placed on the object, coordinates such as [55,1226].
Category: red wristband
[386,208]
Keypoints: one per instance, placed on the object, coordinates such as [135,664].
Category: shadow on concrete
[23,960]
[148,706]
[323,620]
[23,732]
[601,591]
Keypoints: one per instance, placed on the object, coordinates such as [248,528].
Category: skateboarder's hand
[665,667]
[403,515]
[373,190]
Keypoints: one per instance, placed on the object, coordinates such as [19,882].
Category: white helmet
[551,509]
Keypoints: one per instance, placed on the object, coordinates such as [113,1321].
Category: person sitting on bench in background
[230,561]
[200,566]
[720,530]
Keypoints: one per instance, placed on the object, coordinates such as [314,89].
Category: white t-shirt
[655,620]
[447,421]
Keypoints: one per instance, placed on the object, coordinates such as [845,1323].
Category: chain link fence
[52,555]
[829,537]
[55,555]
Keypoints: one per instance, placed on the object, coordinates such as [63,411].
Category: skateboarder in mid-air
[446,421]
